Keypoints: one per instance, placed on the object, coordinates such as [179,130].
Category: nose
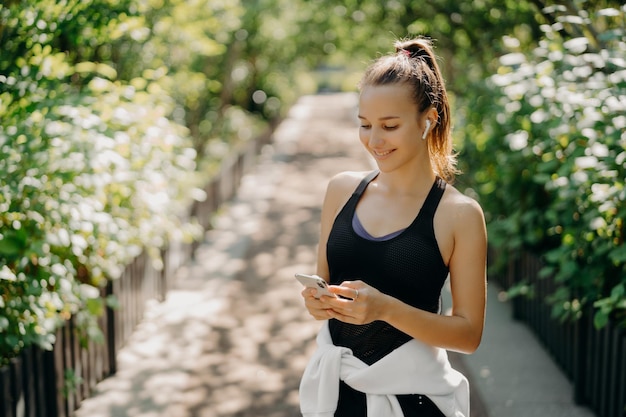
[375,138]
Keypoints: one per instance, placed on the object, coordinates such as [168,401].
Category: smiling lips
[381,154]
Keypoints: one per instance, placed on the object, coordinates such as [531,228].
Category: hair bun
[413,48]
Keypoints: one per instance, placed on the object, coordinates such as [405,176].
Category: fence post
[40,385]
[50,385]
[6,405]
[617,396]
[29,380]
[513,277]
[17,389]
[581,348]
[111,333]
[621,373]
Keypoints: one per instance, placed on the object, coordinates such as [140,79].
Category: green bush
[555,182]
[92,172]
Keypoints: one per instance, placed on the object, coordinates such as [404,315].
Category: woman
[388,241]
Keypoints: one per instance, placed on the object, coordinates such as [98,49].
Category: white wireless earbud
[426,130]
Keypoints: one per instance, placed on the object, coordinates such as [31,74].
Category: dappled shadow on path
[233,337]
[260,346]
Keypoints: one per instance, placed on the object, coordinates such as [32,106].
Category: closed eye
[384,127]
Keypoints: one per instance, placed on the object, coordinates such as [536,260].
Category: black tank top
[408,266]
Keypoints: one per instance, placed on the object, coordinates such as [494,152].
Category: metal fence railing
[594,360]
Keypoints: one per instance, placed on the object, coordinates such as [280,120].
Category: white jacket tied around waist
[413,368]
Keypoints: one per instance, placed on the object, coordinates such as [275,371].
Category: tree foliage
[551,159]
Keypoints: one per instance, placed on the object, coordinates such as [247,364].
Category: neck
[408,181]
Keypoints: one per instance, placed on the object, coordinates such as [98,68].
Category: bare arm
[462,330]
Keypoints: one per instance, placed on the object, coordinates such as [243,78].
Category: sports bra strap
[434,196]
[365,181]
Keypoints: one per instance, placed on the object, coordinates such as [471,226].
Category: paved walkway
[232,338]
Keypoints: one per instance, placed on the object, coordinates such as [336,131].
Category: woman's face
[391,127]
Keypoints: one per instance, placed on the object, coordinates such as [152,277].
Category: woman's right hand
[316,306]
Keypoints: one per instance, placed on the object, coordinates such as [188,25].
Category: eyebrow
[382,118]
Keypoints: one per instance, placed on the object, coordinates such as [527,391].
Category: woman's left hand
[361,303]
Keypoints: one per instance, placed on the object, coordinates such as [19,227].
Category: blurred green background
[114,113]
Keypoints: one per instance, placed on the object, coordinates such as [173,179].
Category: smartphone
[313,281]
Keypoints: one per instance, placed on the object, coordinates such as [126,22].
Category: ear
[433,116]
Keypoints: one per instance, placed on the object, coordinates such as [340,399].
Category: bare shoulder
[459,224]
[345,182]
[341,186]
[461,208]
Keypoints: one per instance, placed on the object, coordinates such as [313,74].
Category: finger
[317,305]
[309,292]
[358,286]
[345,291]
[353,284]
[342,316]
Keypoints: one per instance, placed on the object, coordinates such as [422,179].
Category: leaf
[600,319]
[113,302]
[520,289]
[95,334]
[546,271]
[9,247]
[617,293]
[618,255]
[95,306]
[13,242]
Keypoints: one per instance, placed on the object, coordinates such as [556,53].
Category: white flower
[518,140]
[585,162]
[7,274]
